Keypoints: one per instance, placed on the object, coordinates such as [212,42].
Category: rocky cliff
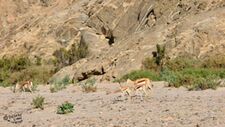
[119,33]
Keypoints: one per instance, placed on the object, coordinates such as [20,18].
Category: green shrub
[204,72]
[183,62]
[193,77]
[66,80]
[59,84]
[140,74]
[65,108]
[204,83]
[204,78]
[173,78]
[185,71]
[38,102]
[89,86]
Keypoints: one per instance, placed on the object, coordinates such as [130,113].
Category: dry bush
[89,86]
[38,102]
[67,57]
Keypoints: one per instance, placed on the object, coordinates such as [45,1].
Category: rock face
[119,33]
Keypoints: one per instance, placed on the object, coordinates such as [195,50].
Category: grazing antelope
[23,86]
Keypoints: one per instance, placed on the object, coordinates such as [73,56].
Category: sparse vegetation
[21,68]
[160,54]
[214,62]
[65,108]
[66,80]
[34,87]
[180,63]
[11,65]
[172,77]
[89,86]
[59,84]
[157,61]
[185,71]
[37,74]
[38,102]
[194,73]
[140,74]
[193,78]
[67,57]
[149,64]
[38,61]
[204,83]
[57,87]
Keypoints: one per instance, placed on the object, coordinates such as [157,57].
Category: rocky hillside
[119,33]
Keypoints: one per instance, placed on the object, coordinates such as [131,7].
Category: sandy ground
[167,107]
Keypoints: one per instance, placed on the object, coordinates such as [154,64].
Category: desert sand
[166,107]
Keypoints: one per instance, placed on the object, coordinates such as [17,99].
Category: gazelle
[23,86]
[141,85]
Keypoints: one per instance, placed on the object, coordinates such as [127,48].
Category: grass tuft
[65,108]
[38,102]
[89,86]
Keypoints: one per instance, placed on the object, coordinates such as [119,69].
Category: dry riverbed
[166,107]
